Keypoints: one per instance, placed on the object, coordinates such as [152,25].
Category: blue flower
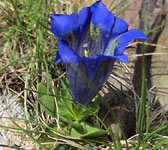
[92,40]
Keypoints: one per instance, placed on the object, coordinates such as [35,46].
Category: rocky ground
[11,107]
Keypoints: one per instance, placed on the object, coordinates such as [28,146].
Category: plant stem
[142,100]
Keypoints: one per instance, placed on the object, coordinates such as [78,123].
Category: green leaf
[75,148]
[79,115]
[64,104]
[88,131]
[85,112]
[48,103]
[92,131]
[41,90]
[88,147]
[77,125]
[46,100]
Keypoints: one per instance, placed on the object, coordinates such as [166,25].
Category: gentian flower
[92,40]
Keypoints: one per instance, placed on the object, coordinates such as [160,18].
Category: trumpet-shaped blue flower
[93,40]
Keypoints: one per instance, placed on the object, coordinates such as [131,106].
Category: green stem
[142,101]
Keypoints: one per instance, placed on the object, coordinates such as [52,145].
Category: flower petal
[91,41]
[117,45]
[66,54]
[62,25]
[104,19]
[120,26]
[103,73]
[71,27]
[78,85]
[101,16]
[84,18]
[122,58]
[124,39]
[101,76]
[80,89]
